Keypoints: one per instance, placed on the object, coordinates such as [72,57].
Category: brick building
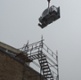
[13,65]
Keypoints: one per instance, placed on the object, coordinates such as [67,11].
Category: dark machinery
[49,15]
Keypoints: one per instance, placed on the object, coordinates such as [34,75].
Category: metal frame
[34,48]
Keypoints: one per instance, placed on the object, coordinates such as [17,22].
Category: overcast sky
[18,23]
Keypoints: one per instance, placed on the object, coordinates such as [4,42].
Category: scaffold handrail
[48,49]
[46,56]
[36,42]
[39,48]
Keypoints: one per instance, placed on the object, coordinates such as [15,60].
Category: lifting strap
[48,0]
[48,5]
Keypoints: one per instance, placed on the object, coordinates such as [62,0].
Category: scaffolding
[47,59]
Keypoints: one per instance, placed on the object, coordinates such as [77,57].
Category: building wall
[11,69]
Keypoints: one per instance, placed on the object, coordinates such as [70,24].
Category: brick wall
[11,69]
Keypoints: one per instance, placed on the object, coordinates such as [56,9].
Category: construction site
[40,40]
[16,64]
[35,61]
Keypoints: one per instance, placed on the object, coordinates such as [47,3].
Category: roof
[10,48]
[16,53]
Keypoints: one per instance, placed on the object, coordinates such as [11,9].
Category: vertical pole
[39,61]
[41,42]
[40,73]
[57,66]
[42,39]
[41,54]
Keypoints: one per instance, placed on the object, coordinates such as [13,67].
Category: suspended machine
[49,15]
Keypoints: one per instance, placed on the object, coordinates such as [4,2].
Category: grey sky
[18,23]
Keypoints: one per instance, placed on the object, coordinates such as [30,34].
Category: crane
[49,15]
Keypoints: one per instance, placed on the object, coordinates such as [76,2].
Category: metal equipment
[47,59]
[49,15]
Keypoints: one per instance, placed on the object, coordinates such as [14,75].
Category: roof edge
[10,48]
